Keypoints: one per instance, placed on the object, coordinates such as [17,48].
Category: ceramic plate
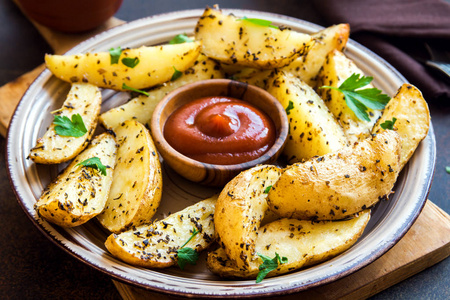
[390,219]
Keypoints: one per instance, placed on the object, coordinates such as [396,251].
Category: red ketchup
[220,130]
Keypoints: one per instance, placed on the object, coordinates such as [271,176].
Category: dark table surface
[32,267]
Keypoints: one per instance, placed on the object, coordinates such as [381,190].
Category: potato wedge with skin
[255,77]
[336,69]
[230,70]
[84,99]
[137,183]
[307,66]
[155,245]
[303,243]
[141,107]
[339,184]
[154,65]
[313,130]
[413,119]
[79,193]
[239,210]
[233,40]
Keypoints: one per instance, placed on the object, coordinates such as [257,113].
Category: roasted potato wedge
[84,99]
[303,243]
[336,69]
[313,130]
[153,65]
[239,210]
[155,245]
[79,193]
[238,41]
[339,184]
[307,66]
[256,77]
[141,107]
[137,183]
[413,119]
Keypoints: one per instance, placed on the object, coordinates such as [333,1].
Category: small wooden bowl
[212,174]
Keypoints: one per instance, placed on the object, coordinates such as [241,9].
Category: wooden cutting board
[425,244]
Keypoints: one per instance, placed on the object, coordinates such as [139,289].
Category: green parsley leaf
[447,169]
[388,124]
[95,163]
[260,22]
[130,62]
[289,107]
[67,127]
[115,53]
[268,265]
[126,87]
[187,254]
[267,189]
[176,74]
[360,100]
[180,39]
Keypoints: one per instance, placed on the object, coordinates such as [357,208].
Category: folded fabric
[398,31]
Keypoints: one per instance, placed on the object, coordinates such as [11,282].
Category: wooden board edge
[11,93]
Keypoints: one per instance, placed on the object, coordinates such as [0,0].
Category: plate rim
[115,276]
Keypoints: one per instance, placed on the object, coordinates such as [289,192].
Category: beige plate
[389,222]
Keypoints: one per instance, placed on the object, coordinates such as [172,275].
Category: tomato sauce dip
[220,130]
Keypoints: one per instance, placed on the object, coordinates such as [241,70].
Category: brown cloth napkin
[398,31]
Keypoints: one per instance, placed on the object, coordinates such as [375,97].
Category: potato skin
[234,41]
[336,69]
[239,210]
[413,119]
[84,99]
[313,130]
[79,193]
[303,243]
[307,66]
[136,189]
[155,245]
[156,65]
[339,184]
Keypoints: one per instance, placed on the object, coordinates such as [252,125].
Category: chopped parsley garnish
[289,107]
[126,87]
[268,265]
[180,39]
[388,124]
[115,53]
[187,254]
[360,100]
[130,62]
[176,74]
[260,22]
[94,163]
[67,127]
[267,189]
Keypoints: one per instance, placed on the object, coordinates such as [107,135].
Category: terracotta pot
[70,16]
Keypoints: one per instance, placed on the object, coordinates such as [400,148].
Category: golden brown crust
[79,193]
[240,209]
[339,184]
[137,183]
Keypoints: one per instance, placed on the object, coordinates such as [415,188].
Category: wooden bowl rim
[161,143]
